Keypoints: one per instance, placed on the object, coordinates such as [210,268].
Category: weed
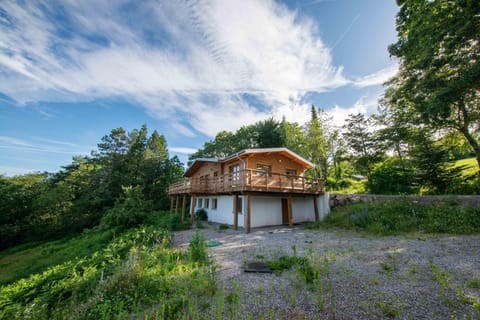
[223,226]
[473,284]
[198,248]
[388,309]
[438,275]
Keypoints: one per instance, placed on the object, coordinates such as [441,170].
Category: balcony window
[263,170]
[207,203]
[291,173]
[200,203]
[235,172]
[214,203]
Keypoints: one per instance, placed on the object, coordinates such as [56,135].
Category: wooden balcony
[248,180]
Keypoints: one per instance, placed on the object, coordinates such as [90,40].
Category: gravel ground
[361,277]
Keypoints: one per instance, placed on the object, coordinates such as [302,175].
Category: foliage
[395,217]
[201,215]
[198,248]
[392,176]
[305,268]
[134,270]
[49,206]
[223,226]
[129,211]
[439,79]
[361,142]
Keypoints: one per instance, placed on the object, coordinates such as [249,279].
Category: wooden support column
[247,200]
[290,214]
[176,204]
[235,212]
[171,204]
[192,209]
[315,207]
[184,206]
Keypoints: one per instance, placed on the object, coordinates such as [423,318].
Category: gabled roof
[245,153]
[197,163]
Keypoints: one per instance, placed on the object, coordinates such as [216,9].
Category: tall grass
[395,217]
[106,275]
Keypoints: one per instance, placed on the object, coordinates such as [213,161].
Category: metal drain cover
[258,267]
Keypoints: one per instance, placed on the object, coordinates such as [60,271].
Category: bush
[198,248]
[392,177]
[201,214]
[223,226]
[305,268]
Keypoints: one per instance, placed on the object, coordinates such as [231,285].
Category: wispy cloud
[43,145]
[196,58]
[377,78]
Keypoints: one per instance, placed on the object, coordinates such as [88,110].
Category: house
[252,188]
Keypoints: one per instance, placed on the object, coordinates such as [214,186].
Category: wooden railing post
[192,209]
[235,212]
[247,228]
[184,206]
[315,207]
[290,213]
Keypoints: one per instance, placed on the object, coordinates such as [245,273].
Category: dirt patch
[360,277]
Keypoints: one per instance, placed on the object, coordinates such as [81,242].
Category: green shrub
[201,214]
[223,226]
[198,248]
[308,273]
[392,177]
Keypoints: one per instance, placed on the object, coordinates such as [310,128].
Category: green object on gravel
[213,243]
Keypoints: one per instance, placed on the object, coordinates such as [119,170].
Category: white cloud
[10,171]
[183,150]
[367,105]
[199,60]
[377,78]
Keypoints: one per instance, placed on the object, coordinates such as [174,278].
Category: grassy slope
[21,261]
[101,275]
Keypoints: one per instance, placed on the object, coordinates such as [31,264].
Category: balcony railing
[248,180]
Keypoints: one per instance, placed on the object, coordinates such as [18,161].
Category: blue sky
[70,71]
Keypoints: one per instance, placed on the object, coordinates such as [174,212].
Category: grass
[399,217]
[107,274]
[470,166]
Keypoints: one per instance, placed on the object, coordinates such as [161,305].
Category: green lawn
[470,166]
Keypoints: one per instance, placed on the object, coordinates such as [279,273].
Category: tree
[317,144]
[361,142]
[439,54]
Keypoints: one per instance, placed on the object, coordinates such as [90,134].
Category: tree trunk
[475,146]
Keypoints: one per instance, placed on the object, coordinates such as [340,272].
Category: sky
[71,71]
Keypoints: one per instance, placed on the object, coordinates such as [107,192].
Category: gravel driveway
[361,277]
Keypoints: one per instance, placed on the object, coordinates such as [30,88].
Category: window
[263,170]
[207,203]
[200,203]
[215,174]
[291,173]
[235,171]
[214,203]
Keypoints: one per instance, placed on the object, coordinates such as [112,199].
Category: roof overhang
[197,164]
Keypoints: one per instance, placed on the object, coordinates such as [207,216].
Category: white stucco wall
[265,210]
[224,211]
